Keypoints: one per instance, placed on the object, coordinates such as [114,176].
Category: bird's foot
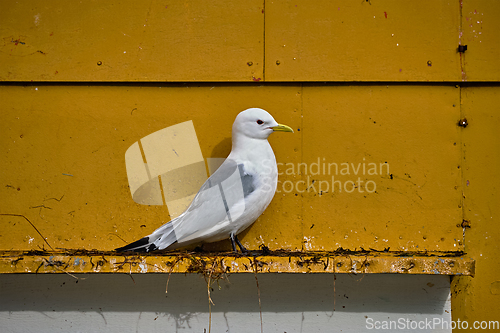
[235,241]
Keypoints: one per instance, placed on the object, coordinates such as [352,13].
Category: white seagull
[233,197]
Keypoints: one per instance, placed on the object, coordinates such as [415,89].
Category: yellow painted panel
[64,164]
[480,27]
[131,41]
[389,174]
[362,40]
[63,159]
[478,298]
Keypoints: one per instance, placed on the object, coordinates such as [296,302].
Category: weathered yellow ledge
[275,262]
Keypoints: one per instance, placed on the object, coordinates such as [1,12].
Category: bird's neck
[246,148]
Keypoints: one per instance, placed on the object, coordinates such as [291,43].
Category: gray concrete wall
[290,303]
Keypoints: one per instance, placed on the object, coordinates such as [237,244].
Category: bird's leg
[231,237]
[242,248]
[234,241]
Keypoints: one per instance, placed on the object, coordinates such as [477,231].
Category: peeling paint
[281,262]
[144,267]
[495,288]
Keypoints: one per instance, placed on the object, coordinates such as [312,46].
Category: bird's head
[257,124]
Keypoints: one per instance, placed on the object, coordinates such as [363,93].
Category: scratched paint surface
[362,40]
[302,41]
[65,149]
[131,41]
[398,156]
[64,164]
[479,26]
[481,155]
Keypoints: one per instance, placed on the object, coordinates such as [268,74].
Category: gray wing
[220,200]
[247,180]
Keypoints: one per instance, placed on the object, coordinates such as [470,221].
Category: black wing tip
[142,245]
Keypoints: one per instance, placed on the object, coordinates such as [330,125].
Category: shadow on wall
[222,149]
[290,302]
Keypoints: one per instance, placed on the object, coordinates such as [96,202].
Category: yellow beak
[282,128]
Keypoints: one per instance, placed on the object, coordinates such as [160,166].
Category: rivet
[429,63]
[451,264]
[99,63]
[339,264]
[249,63]
[463,122]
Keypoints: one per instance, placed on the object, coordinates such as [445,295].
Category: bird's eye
[260,122]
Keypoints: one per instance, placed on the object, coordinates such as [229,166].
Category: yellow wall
[478,298]
[83,81]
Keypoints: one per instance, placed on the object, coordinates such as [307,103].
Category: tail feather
[142,245]
[160,239]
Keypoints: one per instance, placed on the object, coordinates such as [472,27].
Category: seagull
[233,197]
